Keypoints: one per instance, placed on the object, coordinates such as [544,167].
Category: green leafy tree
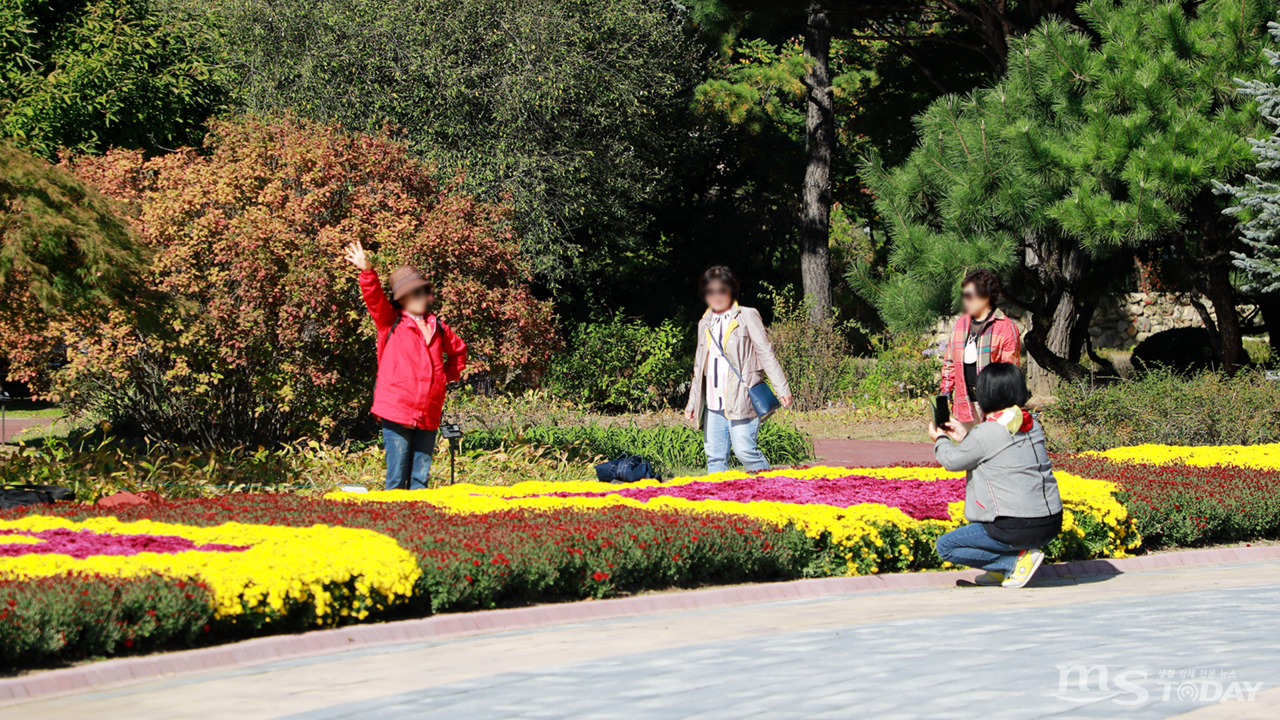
[1090,148]
[87,75]
[570,109]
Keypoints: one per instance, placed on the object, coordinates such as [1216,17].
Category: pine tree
[1089,150]
[1258,203]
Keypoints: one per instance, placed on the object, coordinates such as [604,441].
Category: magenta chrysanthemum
[86,543]
[921,499]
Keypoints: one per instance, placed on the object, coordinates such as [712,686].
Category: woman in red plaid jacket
[983,335]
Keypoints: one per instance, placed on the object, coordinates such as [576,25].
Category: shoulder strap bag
[763,400]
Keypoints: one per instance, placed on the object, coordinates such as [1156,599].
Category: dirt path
[870,453]
[15,426]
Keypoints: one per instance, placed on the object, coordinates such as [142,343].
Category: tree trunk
[1230,340]
[1050,339]
[820,140]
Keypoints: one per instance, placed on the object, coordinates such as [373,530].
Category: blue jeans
[971,545]
[721,432]
[408,455]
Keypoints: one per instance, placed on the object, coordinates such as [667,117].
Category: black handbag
[763,401]
[626,469]
[16,496]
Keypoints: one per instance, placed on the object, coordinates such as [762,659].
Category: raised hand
[356,256]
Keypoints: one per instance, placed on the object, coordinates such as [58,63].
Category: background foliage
[1091,146]
[89,75]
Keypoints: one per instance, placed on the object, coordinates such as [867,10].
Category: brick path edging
[258,651]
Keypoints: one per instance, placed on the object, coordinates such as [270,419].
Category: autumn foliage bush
[263,336]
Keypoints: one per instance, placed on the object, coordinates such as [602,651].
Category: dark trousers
[409,452]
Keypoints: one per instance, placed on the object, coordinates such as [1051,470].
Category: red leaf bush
[261,336]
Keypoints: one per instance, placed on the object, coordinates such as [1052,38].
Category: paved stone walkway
[951,653]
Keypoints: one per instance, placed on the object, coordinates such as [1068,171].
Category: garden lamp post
[4,416]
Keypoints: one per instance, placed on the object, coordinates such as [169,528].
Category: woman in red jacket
[982,335]
[417,355]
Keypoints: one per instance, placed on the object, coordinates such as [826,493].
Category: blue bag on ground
[626,469]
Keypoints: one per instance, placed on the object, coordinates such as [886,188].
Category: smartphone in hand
[941,411]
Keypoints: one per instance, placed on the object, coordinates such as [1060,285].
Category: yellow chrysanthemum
[280,562]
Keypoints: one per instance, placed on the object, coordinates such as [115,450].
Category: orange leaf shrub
[263,336]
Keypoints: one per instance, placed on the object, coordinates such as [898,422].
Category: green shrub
[1162,407]
[80,616]
[813,355]
[900,371]
[668,447]
[620,364]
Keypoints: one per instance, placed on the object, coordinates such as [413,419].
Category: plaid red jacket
[1000,343]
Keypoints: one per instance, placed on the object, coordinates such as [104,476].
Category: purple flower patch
[921,499]
[85,543]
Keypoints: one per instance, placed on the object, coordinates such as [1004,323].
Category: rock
[1142,336]
[1107,339]
[1144,325]
[1131,330]
[1095,331]
[123,499]
[1122,325]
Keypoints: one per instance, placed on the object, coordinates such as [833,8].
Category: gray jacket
[1008,475]
[746,345]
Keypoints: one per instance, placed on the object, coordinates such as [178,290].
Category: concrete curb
[248,653]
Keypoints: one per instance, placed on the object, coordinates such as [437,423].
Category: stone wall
[1137,316]
[1134,318]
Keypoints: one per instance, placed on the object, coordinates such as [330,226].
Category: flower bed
[863,521]
[1262,457]
[459,561]
[1182,504]
[257,573]
[270,563]
[97,615]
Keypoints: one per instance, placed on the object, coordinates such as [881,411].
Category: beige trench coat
[746,346]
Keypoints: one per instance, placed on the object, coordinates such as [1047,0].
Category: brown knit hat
[407,278]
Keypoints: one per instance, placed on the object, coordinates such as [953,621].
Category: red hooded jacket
[412,369]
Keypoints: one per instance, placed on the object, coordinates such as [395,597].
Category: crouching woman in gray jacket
[1011,496]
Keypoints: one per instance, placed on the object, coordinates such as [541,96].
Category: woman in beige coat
[733,356]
